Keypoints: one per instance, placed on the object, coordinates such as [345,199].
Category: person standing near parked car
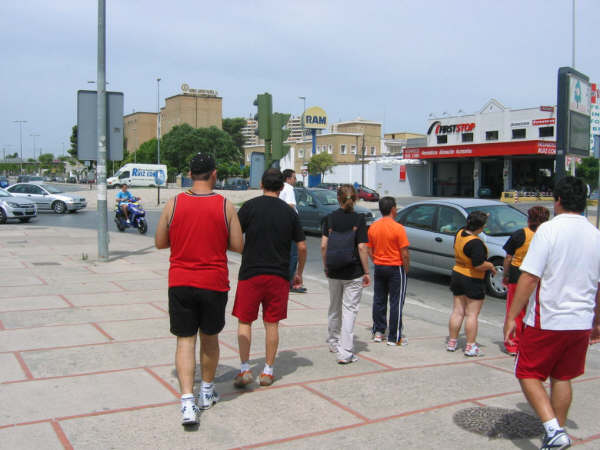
[288,196]
[388,248]
[345,260]
[467,284]
[516,248]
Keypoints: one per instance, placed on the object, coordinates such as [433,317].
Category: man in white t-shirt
[560,286]
[288,196]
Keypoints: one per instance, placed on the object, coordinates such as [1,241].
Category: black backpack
[341,246]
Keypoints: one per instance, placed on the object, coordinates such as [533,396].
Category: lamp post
[20,122]
[158,135]
[34,136]
[302,138]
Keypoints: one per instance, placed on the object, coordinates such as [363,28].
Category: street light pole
[34,136]
[302,138]
[20,122]
[158,135]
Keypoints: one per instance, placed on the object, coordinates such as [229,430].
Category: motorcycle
[137,217]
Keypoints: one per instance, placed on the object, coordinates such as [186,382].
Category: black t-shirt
[475,249]
[270,225]
[512,245]
[344,221]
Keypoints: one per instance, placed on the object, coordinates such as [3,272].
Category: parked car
[235,184]
[4,182]
[48,197]
[432,225]
[329,186]
[313,204]
[12,207]
[367,194]
[28,178]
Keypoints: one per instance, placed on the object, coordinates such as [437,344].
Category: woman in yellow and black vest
[516,248]
[467,282]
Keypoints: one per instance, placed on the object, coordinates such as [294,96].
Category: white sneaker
[189,413]
[208,399]
[333,347]
[378,337]
[559,440]
[473,350]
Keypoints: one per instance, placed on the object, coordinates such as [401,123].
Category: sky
[395,62]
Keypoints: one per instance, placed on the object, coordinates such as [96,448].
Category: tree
[588,171]
[320,164]
[180,144]
[46,159]
[146,153]
[233,127]
[73,150]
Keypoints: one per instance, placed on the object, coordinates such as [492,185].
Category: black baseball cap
[202,163]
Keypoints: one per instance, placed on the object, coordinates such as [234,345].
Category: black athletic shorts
[191,308]
[463,285]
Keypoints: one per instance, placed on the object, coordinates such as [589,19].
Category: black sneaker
[300,290]
[558,441]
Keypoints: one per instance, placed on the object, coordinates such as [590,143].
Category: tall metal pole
[158,135]
[573,65]
[20,122]
[101,133]
[34,136]
[302,138]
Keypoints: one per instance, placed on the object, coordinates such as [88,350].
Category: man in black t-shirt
[270,226]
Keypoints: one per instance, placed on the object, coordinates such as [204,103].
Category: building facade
[199,108]
[139,127]
[595,121]
[497,148]
[249,132]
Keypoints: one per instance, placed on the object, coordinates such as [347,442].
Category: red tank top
[198,235]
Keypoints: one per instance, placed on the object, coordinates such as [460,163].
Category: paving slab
[78,315]
[56,289]
[80,395]
[233,422]
[48,337]
[39,435]
[442,384]
[38,302]
[96,358]
[22,279]
[10,369]
[428,430]
[137,329]
[117,298]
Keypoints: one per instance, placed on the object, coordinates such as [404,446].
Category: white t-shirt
[287,195]
[565,255]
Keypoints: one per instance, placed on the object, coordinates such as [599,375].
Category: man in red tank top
[199,226]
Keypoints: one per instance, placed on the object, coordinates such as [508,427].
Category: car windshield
[325,197]
[51,189]
[3,193]
[503,220]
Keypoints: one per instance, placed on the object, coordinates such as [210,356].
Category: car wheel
[59,207]
[24,219]
[2,216]
[493,283]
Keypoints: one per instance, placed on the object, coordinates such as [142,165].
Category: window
[467,137]
[420,217]
[343,149]
[518,133]
[330,149]
[491,135]
[373,150]
[18,189]
[443,139]
[35,190]
[124,175]
[450,220]
[301,153]
[353,149]
[546,131]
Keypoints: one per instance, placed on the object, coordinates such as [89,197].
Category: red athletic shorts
[272,291]
[552,353]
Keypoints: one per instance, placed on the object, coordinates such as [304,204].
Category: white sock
[551,426]
[187,398]
[244,366]
[207,387]
[268,370]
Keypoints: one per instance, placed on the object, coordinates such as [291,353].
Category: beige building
[393,144]
[344,143]
[139,127]
[249,132]
[199,108]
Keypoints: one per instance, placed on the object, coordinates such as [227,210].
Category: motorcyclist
[123,198]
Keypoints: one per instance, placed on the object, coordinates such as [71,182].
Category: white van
[139,175]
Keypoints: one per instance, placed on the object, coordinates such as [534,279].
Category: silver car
[12,207]
[432,225]
[48,197]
